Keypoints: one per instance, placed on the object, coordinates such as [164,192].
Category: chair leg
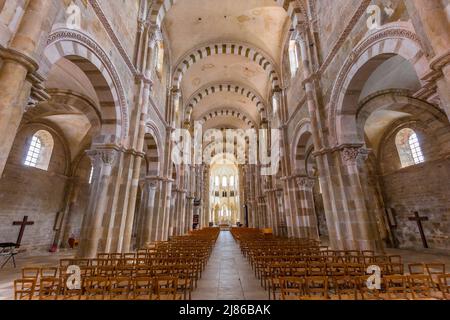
[6,261]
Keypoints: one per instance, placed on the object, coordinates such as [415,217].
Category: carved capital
[351,154]
[102,156]
[305,182]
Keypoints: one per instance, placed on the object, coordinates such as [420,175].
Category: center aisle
[228,276]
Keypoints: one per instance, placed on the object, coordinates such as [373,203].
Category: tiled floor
[228,276]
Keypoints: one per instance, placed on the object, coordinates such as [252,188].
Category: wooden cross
[419,220]
[22,225]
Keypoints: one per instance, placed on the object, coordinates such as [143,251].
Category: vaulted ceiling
[225,55]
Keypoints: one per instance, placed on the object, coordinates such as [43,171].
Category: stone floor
[228,276]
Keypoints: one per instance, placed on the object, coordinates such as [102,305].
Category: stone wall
[424,188]
[31,192]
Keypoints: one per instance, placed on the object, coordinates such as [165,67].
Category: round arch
[84,52]
[226,48]
[392,39]
[211,89]
[228,112]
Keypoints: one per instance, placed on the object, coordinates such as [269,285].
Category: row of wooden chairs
[397,287]
[104,288]
[317,272]
[161,271]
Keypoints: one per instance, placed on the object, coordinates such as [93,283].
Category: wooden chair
[143,288]
[345,288]
[291,288]
[24,289]
[166,288]
[365,292]
[422,287]
[49,288]
[396,287]
[96,288]
[316,288]
[435,270]
[119,288]
[70,294]
[317,269]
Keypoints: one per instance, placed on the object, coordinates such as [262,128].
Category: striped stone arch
[210,152]
[153,149]
[226,48]
[294,10]
[392,39]
[198,96]
[301,146]
[227,112]
[84,52]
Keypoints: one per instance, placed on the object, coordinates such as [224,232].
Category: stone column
[189,219]
[307,216]
[364,230]
[149,221]
[432,20]
[18,61]
[144,85]
[92,227]
[325,160]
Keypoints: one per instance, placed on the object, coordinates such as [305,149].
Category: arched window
[40,150]
[217,181]
[159,57]
[232,181]
[293,57]
[408,147]
[224,182]
[91,174]
[275,104]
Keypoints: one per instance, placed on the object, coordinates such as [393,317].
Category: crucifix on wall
[22,225]
[417,218]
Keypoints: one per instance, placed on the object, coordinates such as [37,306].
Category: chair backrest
[97,287]
[119,288]
[30,273]
[48,272]
[49,288]
[143,288]
[166,288]
[24,289]
[291,288]
[416,268]
[316,287]
[396,287]
[435,268]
